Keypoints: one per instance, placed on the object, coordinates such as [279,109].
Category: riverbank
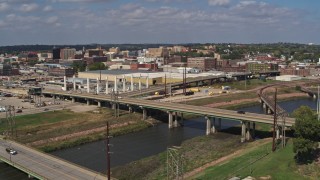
[49,131]
[260,162]
[241,103]
[196,152]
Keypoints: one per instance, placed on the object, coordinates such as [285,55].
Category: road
[40,109]
[42,165]
[199,110]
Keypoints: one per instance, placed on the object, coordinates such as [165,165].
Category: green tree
[78,66]
[97,66]
[307,134]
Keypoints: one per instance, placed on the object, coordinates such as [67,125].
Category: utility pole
[184,80]
[10,116]
[114,99]
[165,85]
[318,105]
[274,121]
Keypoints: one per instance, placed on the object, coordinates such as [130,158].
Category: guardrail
[21,168]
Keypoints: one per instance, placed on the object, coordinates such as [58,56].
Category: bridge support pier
[175,122]
[140,82]
[107,86]
[243,131]
[170,122]
[73,100]
[248,132]
[123,84]
[98,85]
[213,127]
[65,83]
[277,133]
[115,84]
[30,176]
[88,85]
[113,106]
[314,96]
[74,83]
[147,82]
[99,103]
[208,129]
[144,114]
[130,109]
[131,81]
[88,102]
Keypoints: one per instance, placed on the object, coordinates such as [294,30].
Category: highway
[39,109]
[188,81]
[198,110]
[44,166]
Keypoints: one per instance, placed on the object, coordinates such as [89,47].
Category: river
[134,146]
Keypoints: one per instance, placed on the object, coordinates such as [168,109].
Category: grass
[251,84]
[260,162]
[196,152]
[41,118]
[53,146]
[46,125]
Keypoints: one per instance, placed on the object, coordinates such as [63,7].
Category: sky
[58,22]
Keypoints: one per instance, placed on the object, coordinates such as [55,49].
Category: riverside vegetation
[49,131]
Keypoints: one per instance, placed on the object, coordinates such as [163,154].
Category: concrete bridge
[151,89]
[175,112]
[269,105]
[313,92]
[43,166]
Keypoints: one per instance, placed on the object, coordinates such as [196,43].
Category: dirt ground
[82,108]
[234,102]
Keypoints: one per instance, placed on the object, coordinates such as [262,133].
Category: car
[46,109]
[19,111]
[11,151]
[241,112]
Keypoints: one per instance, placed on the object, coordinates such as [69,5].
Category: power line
[174,163]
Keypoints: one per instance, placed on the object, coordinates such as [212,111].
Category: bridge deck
[43,166]
[199,110]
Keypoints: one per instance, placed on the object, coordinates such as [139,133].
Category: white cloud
[29,7]
[2,24]
[4,6]
[52,20]
[218,2]
[82,1]
[47,8]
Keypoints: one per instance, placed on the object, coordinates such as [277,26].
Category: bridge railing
[271,103]
[22,168]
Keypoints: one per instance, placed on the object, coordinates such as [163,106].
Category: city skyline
[156,21]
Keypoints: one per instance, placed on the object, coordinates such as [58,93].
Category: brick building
[261,67]
[298,72]
[152,67]
[203,63]
[67,53]
[69,72]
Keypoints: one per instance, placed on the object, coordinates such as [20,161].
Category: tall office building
[67,53]
[55,53]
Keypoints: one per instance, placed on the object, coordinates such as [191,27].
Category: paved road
[40,109]
[44,165]
[199,110]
